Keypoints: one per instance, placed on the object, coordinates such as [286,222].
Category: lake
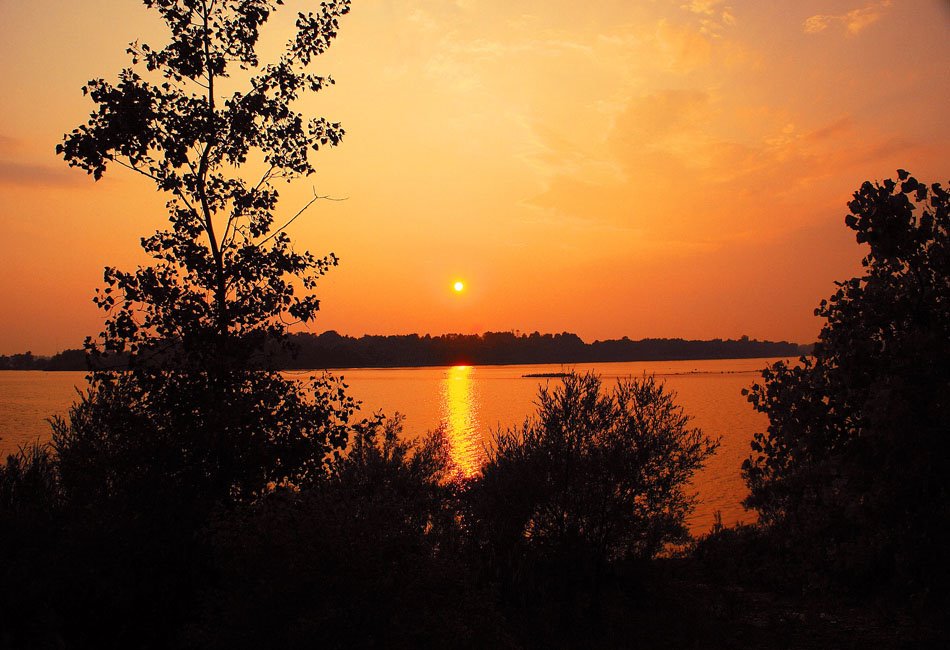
[472,402]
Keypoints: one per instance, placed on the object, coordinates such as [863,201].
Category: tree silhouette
[225,279]
[221,272]
[853,468]
[196,423]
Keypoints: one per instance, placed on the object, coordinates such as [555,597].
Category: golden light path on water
[469,403]
[460,420]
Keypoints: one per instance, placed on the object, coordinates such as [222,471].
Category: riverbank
[332,350]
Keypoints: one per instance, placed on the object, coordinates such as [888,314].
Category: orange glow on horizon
[692,183]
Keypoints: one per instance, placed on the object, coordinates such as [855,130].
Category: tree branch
[232,220]
[299,212]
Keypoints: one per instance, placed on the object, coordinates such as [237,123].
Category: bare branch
[299,212]
[136,169]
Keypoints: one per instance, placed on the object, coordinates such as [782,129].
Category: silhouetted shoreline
[333,350]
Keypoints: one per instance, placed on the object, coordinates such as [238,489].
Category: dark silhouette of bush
[597,481]
[144,441]
[851,478]
[143,462]
[31,528]
[361,558]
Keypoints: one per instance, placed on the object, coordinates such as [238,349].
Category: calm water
[471,402]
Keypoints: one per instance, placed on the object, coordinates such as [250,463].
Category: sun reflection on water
[460,420]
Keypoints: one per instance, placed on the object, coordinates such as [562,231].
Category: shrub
[596,478]
[362,558]
[30,530]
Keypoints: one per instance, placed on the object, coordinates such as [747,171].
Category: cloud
[839,127]
[853,21]
[25,175]
[680,49]
[658,117]
[9,145]
[686,177]
[714,16]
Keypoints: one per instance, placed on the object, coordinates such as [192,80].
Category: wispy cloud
[853,21]
[25,175]
[714,16]
[8,145]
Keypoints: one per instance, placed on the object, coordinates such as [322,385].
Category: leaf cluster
[853,465]
[221,270]
[153,439]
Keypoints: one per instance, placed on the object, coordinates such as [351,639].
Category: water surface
[472,402]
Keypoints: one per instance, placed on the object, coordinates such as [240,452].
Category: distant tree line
[65,360]
[334,350]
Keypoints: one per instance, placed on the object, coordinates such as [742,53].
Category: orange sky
[608,168]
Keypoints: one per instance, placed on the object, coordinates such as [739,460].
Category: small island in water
[545,375]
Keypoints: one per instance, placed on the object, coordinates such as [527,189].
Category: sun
[458,286]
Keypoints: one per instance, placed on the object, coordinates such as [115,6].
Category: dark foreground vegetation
[181,508]
[118,535]
[333,350]
[200,499]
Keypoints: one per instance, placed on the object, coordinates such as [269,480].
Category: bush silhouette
[851,476]
[597,481]
[361,558]
[31,528]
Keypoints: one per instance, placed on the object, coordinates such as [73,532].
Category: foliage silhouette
[221,277]
[851,475]
[362,558]
[598,479]
[330,349]
[223,280]
[198,422]
[30,530]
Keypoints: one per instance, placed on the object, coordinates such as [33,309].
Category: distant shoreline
[333,351]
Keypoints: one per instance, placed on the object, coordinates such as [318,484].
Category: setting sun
[458,286]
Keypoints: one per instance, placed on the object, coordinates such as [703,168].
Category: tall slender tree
[221,271]
[197,423]
[209,124]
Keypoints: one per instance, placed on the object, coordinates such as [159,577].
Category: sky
[610,168]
